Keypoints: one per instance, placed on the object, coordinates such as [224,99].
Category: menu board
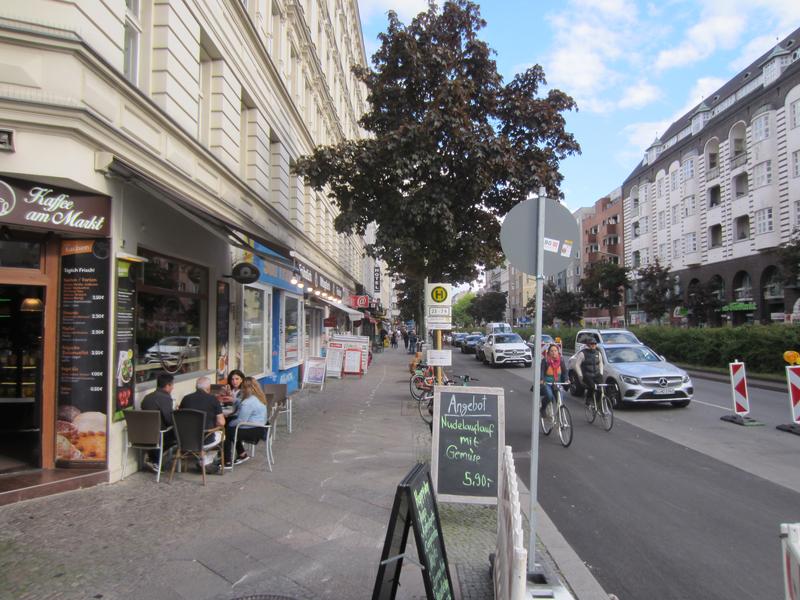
[223,329]
[334,359]
[414,506]
[82,386]
[469,429]
[125,332]
[361,342]
[314,372]
[352,361]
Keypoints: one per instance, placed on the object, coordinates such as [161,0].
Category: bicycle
[423,380]
[560,416]
[603,408]
[425,405]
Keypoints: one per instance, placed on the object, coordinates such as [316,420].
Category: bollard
[793,381]
[741,400]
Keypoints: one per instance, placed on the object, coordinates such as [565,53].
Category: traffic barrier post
[793,381]
[511,557]
[790,552]
[741,399]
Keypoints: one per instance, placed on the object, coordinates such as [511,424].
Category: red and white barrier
[793,379]
[511,558]
[790,547]
[741,400]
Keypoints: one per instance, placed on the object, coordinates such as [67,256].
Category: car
[505,349]
[636,374]
[605,336]
[491,328]
[174,348]
[479,348]
[468,345]
[546,341]
[457,339]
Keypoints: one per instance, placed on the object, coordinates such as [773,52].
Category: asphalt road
[671,503]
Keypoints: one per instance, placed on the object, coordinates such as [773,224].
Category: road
[671,503]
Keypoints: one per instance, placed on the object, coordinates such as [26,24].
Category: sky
[633,66]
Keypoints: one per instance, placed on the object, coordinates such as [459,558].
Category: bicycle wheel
[590,410]
[546,420]
[425,406]
[607,413]
[417,385]
[564,426]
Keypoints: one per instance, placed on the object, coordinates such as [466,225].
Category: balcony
[739,160]
[611,229]
[743,294]
[773,291]
[712,173]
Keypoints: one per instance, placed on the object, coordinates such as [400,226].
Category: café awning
[353,315]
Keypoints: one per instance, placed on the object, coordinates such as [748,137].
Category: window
[762,174]
[715,236]
[662,220]
[763,220]
[291,330]
[688,169]
[133,31]
[797,213]
[20,254]
[662,252]
[204,101]
[675,215]
[742,227]
[660,188]
[676,248]
[673,181]
[171,307]
[690,242]
[256,338]
[796,163]
[714,196]
[636,257]
[689,206]
[761,128]
[794,114]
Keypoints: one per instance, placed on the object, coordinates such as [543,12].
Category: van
[498,328]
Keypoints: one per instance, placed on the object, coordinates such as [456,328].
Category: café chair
[144,432]
[276,395]
[267,437]
[190,431]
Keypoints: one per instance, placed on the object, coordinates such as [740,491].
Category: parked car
[468,345]
[636,374]
[546,341]
[605,336]
[175,348]
[457,339]
[506,348]
[479,348]
[491,328]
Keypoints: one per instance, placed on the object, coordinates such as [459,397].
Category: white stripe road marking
[712,405]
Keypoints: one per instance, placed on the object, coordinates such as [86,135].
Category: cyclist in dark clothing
[589,368]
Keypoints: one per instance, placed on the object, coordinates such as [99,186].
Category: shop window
[256,339]
[172,308]
[291,330]
[20,255]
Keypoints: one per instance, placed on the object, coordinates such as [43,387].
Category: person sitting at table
[235,380]
[161,400]
[202,399]
[253,409]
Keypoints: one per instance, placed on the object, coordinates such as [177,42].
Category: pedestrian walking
[412,342]
[405,338]
[393,338]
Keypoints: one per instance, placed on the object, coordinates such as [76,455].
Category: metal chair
[267,437]
[144,433]
[276,395]
[190,430]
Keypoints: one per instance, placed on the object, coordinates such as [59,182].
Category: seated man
[202,399]
[161,400]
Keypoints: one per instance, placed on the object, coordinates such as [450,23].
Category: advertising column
[82,386]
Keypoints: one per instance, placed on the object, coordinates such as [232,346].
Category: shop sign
[57,209]
[329,322]
[377,280]
[124,357]
[308,275]
[245,273]
[325,284]
[359,301]
[739,306]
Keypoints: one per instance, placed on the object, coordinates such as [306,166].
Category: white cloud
[703,39]
[405,9]
[752,50]
[639,95]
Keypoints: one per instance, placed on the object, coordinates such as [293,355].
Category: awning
[354,315]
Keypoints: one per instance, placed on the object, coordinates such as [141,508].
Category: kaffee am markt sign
[58,209]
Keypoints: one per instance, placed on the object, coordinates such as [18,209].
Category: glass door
[21,327]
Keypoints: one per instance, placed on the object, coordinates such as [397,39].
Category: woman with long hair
[253,409]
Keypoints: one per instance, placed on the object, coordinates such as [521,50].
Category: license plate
[663,391]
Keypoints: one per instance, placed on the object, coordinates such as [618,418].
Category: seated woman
[235,380]
[253,409]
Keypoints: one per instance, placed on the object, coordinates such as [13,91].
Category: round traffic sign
[439,294]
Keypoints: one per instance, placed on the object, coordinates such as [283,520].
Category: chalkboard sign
[414,506]
[468,431]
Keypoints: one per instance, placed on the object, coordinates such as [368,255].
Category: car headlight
[631,380]
[686,379]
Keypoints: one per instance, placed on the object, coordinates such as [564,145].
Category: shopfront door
[21,344]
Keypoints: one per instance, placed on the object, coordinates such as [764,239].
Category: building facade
[150,219]
[719,191]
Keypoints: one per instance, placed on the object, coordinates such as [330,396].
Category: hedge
[761,347]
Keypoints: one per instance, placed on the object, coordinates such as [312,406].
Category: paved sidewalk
[311,529]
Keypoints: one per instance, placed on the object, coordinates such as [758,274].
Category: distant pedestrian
[412,342]
[393,339]
[405,338]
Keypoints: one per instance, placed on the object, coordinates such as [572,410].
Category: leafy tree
[461,317]
[549,306]
[409,295]
[451,147]
[604,284]
[703,303]
[558,304]
[789,258]
[654,290]
[488,307]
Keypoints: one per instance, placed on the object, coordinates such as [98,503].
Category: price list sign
[83,362]
[124,366]
[468,431]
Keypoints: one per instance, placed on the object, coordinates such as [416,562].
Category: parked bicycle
[425,405]
[422,381]
[557,414]
[601,406]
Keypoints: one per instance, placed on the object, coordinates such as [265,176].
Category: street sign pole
[537,376]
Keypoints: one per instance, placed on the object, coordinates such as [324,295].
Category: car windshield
[511,338]
[472,338]
[619,337]
[631,354]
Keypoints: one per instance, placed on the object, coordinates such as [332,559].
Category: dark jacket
[162,402]
[200,400]
[589,364]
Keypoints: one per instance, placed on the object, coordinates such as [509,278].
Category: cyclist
[553,371]
[589,368]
